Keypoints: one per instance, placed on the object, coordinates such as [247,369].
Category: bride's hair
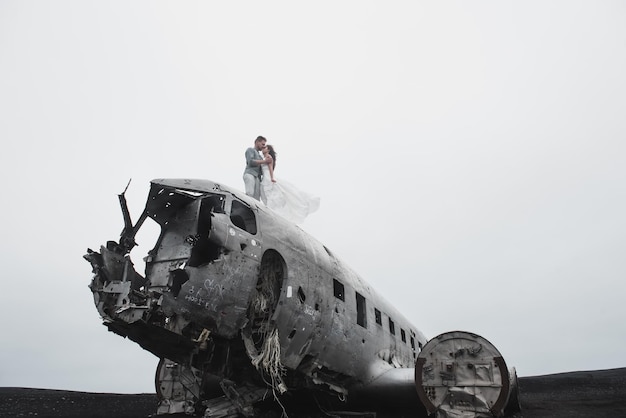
[270,151]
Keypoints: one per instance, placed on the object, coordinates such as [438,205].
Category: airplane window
[403,335]
[301,295]
[378,316]
[243,217]
[392,327]
[361,317]
[213,203]
[338,289]
[413,343]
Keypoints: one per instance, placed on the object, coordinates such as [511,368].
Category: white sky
[470,158]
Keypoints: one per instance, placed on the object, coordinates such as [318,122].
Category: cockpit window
[213,203]
[165,203]
[243,217]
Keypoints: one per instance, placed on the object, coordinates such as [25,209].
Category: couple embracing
[281,196]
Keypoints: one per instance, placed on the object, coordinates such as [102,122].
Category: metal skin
[247,311]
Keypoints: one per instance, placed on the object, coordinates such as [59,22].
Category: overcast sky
[470,158]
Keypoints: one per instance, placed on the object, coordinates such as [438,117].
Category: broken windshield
[163,202]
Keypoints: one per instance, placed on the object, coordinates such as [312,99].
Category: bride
[284,198]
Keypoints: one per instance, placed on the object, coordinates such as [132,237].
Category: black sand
[597,394]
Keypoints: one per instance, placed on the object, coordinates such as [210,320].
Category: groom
[252,173]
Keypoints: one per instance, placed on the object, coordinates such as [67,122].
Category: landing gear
[178,388]
[179,393]
[236,402]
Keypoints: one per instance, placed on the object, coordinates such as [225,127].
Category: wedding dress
[286,199]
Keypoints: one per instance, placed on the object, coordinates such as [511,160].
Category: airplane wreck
[248,314]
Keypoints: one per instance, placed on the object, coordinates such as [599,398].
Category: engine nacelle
[462,373]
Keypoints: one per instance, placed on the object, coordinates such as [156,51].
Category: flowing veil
[286,199]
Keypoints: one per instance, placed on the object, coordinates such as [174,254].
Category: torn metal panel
[178,388]
[215,295]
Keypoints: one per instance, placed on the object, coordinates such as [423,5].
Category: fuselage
[236,301]
[229,276]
